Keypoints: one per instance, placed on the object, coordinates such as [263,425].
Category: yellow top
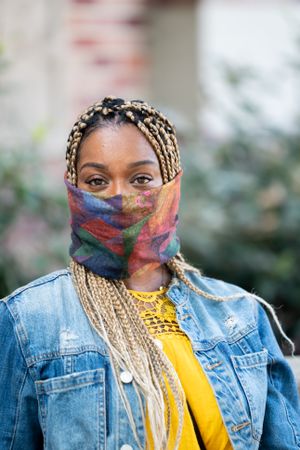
[201,413]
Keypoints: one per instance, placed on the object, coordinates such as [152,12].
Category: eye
[96,182]
[142,179]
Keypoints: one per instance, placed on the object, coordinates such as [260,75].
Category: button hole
[213,366]
[240,426]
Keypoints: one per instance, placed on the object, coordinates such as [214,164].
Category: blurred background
[227,74]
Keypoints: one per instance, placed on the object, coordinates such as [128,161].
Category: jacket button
[126,447]
[126,377]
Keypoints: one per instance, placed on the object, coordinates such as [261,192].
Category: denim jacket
[58,391]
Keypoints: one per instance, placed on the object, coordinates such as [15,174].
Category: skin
[119,160]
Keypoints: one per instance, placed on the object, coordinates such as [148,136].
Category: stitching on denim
[42,410]
[256,430]
[18,340]
[89,378]
[98,419]
[103,430]
[27,371]
[183,295]
[39,282]
[282,400]
[245,401]
[55,355]
[241,361]
[68,364]
[66,389]
[117,426]
[251,366]
[199,346]
[238,398]
[19,330]
[240,373]
[18,410]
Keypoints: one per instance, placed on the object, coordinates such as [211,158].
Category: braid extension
[178,266]
[108,304]
[157,129]
[131,348]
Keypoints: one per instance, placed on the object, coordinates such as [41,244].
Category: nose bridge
[118,186]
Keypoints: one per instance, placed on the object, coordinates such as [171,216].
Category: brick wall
[107,42]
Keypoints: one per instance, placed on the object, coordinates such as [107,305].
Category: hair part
[112,111]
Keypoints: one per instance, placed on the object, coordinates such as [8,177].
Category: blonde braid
[108,304]
[178,265]
[115,317]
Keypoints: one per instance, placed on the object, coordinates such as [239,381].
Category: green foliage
[240,211]
[241,206]
[32,220]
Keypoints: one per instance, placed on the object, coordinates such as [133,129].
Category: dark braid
[113,111]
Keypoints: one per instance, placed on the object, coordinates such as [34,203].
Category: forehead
[116,143]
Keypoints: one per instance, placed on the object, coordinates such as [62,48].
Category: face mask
[116,237]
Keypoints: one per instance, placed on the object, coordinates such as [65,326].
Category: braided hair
[108,304]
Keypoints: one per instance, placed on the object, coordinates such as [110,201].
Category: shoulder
[46,316]
[226,311]
[216,287]
[41,301]
[41,287]
[220,299]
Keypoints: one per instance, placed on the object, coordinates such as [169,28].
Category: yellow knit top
[201,413]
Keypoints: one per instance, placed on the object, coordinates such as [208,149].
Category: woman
[131,347]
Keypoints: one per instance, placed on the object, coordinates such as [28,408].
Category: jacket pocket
[251,370]
[72,410]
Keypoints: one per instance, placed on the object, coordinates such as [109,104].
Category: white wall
[33,39]
[173,62]
[256,33]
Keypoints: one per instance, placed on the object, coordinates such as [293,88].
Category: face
[117,160]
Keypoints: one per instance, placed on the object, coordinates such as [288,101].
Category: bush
[33,236]
[241,207]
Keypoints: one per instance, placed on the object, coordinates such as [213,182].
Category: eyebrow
[93,164]
[141,163]
[103,166]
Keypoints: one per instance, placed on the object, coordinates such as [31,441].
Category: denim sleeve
[19,425]
[281,430]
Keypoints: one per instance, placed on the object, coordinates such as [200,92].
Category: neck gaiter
[116,237]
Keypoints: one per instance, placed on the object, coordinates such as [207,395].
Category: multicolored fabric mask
[119,236]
